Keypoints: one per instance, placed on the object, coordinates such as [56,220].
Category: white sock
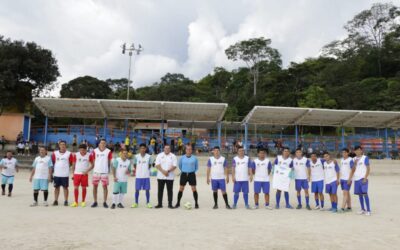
[121,198]
[115,198]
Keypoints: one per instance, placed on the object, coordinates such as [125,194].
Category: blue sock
[367,202]
[361,202]
[246,199]
[147,196]
[256,203]
[317,202]
[278,198]
[137,196]
[334,205]
[235,198]
[266,204]
[298,199]
[322,203]
[287,198]
[307,200]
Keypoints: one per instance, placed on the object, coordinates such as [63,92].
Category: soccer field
[61,227]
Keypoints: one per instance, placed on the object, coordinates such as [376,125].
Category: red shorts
[103,178]
[81,180]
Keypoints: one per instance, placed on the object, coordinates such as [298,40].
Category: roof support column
[246,134]
[126,127]
[296,136]
[387,144]
[219,127]
[46,121]
[162,134]
[105,129]
[343,142]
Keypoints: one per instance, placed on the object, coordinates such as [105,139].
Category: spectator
[134,145]
[205,145]
[127,142]
[35,148]
[74,143]
[27,148]
[172,144]
[20,148]
[180,146]
[20,137]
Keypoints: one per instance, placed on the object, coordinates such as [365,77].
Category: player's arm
[308,165]
[233,170]
[337,169]
[115,163]
[16,167]
[33,171]
[250,170]
[353,169]
[226,171]
[208,171]
[91,162]
[73,165]
[269,168]
[368,169]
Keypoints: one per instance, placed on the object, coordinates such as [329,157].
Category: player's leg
[266,195]
[147,190]
[95,182]
[182,183]
[3,185]
[222,187]
[287,200]
[138,187]
[65,185]
[35,197]
[160,193]
[10,181]
[123,191]
[84,184]
[76,190]
[278,198]
[56,190]
[115,195]
[236,190]
[214,188]
[170,186]
[192,182]
[364,191]
[298,192]
[245,190]
[306,194]
[104,182]
[257,190]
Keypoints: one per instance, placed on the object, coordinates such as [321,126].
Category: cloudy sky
[185,36]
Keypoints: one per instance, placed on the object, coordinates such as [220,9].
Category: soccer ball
[187,205]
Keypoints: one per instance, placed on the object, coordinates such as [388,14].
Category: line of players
[315,170]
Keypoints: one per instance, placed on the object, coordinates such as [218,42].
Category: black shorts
[61,181]
[188,177]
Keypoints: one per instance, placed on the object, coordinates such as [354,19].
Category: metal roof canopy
[131,109]
[322,117]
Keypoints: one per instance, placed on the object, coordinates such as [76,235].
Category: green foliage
[26,70]
[316,97]
[86,87]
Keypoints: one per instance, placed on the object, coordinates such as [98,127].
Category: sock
[180,193]
[266,204]
[215,195]
[45,195]
[35,195]
[225,196]
[307,200]
[147,196]
[322,203]
[10,188]
[195,196]
[3,187]
[76,194]
[287,198]
[246,199]
[333,205]
[121,198]
[298,199]
[115,198]
[235,198]
[137,196]
[278,198]
[317,202]
[367,202]
[83,194]
[361,202]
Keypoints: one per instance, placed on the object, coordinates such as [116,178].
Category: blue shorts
[331,188]
[40,184]
[301,184]
[7,179]
[142,184]
[264,185]
[360,187]
[344,185]
[317,187]
[241,186]
[218,184]
[61,182]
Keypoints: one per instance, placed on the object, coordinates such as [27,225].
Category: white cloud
[188,37]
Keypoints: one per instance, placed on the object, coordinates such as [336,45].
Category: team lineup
[320,173]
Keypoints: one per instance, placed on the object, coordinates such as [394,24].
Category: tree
[26,70]
[252,52]
[86,87]
[316,97]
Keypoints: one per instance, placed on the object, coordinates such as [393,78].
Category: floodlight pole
[130,50]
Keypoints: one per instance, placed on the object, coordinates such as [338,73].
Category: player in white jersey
[346,164]
[317,180]
[101,158]
[241,175]
[142,164]
[122,167]
[217,168]
[261,167]
[332,181]
[283,170]
[302,174]
[8,166]
[41,175]
[80,168]
[360,173]
[62,160]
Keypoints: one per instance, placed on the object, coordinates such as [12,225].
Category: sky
[178,36]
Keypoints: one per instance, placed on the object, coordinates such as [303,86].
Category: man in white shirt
[101,162]
[80,168]
[62,160]
[42,169]
[166,163]
[8,166]
[241,175]
[142,164]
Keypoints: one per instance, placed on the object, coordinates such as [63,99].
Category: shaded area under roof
[288,116]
